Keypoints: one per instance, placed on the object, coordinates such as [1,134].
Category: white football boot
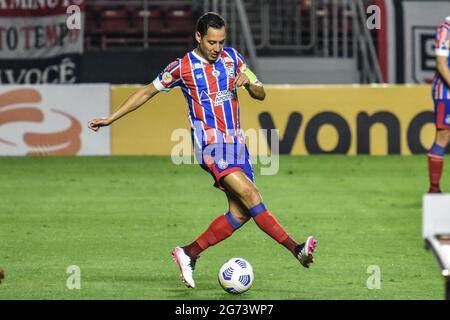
[306,250]
[186,264]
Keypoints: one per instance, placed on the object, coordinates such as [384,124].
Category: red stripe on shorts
[440,124]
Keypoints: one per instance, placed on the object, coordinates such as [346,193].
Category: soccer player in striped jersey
[209,77]
[441,98]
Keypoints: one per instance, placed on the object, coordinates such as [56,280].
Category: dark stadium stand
[282,28]
[133,26]
[112,24]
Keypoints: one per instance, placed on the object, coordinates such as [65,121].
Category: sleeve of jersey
[169,78]
[243,67]
[443,42]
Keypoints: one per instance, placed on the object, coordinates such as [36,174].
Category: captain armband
[251,75]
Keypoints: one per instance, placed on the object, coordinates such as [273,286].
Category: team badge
[216,73]
[166,77]
[222,164]
[230,72]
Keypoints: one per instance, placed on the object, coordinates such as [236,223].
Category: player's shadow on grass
[208,292]
[216,294]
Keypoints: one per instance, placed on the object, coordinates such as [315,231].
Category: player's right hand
[95,124]
[241,80]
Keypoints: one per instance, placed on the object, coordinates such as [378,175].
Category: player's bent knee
[239,218]
[251,197]
[447,135]
[443,137]
[240,215]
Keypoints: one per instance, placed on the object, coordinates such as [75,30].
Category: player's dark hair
[209,19]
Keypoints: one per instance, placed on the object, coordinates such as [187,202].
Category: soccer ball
[236,275]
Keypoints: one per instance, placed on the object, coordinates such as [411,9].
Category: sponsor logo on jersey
[222,96]
[197,65]
[217,98]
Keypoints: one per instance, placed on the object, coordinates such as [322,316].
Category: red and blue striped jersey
[441,89]
[210,94]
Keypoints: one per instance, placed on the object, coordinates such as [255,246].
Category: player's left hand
[241,80]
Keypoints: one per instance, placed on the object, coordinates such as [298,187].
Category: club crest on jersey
[216,73]
[166,77]
[222,164]
[230,72]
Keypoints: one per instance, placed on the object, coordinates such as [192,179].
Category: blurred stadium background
[343,77]
[273,34]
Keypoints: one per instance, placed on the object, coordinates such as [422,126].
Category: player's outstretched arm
[136,100]
[443,69]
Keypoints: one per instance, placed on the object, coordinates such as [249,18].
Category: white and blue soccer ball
[236,275]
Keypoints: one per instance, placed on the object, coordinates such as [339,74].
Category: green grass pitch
[118,218]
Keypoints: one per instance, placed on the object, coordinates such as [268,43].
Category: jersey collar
[203,59]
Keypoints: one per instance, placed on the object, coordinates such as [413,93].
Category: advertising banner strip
[59,69]
[33,31]
[37,8]
[52,120]
[304,120]
[38,37]
[350,120]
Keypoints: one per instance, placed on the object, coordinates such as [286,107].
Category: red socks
[224,225]
[270,225]
[435,167]
[220,229]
